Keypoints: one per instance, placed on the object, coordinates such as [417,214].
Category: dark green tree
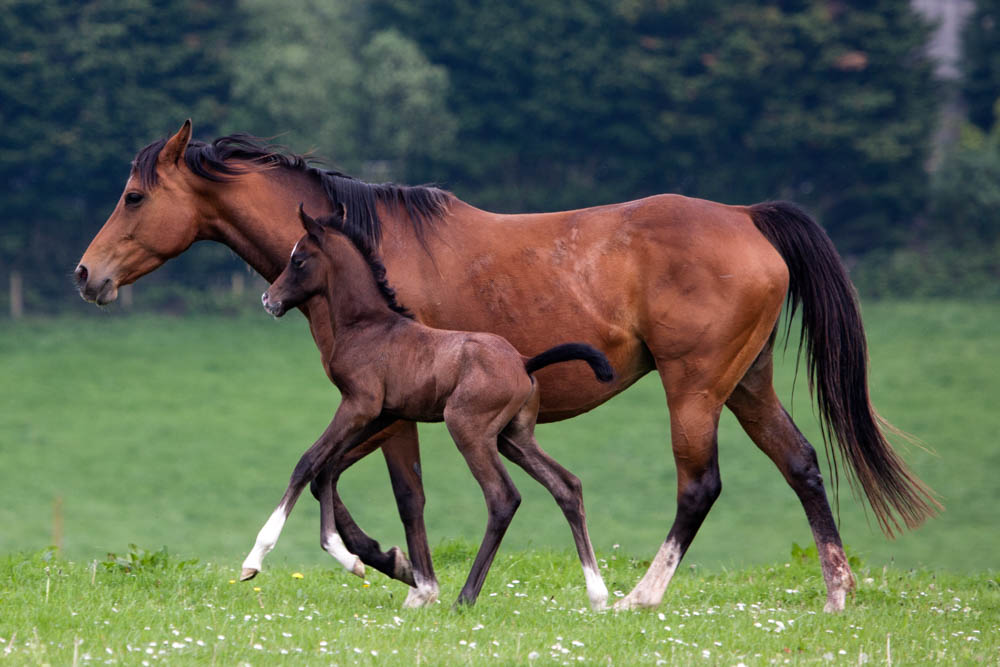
[314,74]
[566,104]
[84,86]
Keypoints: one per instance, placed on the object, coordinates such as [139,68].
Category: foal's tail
[837,363]
[570,351]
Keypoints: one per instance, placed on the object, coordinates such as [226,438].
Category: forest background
[518,106]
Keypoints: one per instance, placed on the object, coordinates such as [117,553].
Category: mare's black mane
[360,241]
[230,156]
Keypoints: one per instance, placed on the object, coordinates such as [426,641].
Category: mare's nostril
[81,274]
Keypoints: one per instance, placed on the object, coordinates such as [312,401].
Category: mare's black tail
[570,351]
[837,364]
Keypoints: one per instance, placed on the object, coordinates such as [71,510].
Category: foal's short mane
[360,241]
[230,156]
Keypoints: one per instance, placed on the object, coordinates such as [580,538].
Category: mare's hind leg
[771,428]
[694,421]
[517,442]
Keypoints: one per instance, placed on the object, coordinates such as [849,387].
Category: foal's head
[331,253]
[307,270]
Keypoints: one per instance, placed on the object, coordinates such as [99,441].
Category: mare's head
[306,273]
[156,218]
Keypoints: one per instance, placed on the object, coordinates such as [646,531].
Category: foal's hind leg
[477,441]
[517,442]
[768,424]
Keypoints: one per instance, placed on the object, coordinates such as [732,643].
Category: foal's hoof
[402,569]
[248,573]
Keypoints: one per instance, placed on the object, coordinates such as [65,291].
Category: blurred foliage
[956,248]
[515,106]
[313,75]
[981,63]
[565,104]
[84,85]
[966,190]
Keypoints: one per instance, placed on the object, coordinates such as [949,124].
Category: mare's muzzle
[101,292]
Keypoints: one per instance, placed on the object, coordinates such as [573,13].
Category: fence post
[238,283]
[16,295]
[125,295]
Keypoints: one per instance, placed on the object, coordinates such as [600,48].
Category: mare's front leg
[352,424]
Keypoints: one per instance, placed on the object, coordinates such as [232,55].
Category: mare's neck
[256,216]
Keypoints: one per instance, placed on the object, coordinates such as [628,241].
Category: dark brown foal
[389,367]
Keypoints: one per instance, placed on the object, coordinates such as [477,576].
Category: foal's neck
[358,309]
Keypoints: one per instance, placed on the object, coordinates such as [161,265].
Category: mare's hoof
[629,603]
[359,568]
[420,596]
[835,602]
[248,573]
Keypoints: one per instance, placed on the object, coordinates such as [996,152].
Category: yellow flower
[297,575]
[232,581]
[256,589]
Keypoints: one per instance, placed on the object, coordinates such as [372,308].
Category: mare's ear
[340,212]
[313,228]
[173,151]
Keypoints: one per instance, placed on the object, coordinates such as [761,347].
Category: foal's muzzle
[276,308]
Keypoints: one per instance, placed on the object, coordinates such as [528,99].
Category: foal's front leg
[399,444]
[351,425]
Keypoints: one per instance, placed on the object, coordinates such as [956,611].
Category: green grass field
[533,611]
[119,429]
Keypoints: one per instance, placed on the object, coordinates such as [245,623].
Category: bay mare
[690,289]
[389,367]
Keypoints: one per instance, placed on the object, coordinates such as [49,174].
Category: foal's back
[432,370]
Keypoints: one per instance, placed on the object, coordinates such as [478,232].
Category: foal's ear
[313,228]
[173,150]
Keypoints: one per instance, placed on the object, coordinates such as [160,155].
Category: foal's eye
[298,263]
[133,198]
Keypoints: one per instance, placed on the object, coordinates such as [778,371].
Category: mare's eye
[298,262]
[133,198]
